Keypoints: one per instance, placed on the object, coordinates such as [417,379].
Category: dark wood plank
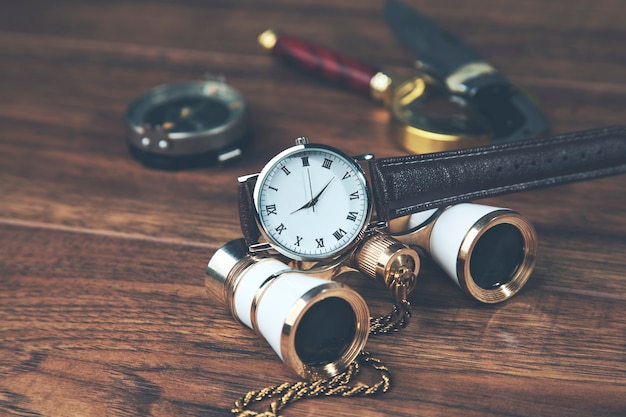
[102,306]
[45,126]
[87,314]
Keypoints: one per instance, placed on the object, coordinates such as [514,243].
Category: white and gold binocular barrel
[316,326]
[488,251]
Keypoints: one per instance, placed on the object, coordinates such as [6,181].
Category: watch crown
[302,140]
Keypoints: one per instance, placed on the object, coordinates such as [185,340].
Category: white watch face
[312,202]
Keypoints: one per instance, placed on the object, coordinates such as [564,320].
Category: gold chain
[397,319]
[335,386]
[338,385]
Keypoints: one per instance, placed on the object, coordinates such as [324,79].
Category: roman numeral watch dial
[312,202]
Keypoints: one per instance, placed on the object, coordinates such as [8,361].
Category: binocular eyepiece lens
[497,256]
[487,251]
[325,332]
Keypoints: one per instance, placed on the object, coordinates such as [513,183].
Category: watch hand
[314,200]
[308,203]
[310,186]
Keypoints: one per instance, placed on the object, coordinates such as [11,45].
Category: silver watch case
[311,262]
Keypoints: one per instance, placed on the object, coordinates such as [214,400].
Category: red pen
[329,65]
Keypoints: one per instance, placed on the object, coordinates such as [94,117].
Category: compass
[187,125]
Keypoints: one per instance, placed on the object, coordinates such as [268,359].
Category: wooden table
[102,305]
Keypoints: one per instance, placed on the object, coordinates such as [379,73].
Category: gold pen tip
[268,40]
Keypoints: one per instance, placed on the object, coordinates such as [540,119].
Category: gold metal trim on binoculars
[519,263]
[520,274]
[324,326]
[293,326]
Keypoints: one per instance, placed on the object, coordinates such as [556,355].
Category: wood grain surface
[102,305]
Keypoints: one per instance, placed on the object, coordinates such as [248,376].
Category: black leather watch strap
[406,185]
[247,216]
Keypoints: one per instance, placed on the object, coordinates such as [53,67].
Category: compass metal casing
[188,124]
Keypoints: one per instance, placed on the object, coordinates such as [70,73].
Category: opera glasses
[316,326]
[489,252]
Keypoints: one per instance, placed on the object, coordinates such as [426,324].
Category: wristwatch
[314,204]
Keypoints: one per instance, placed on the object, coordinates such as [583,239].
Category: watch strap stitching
[471,196]
[501,146]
